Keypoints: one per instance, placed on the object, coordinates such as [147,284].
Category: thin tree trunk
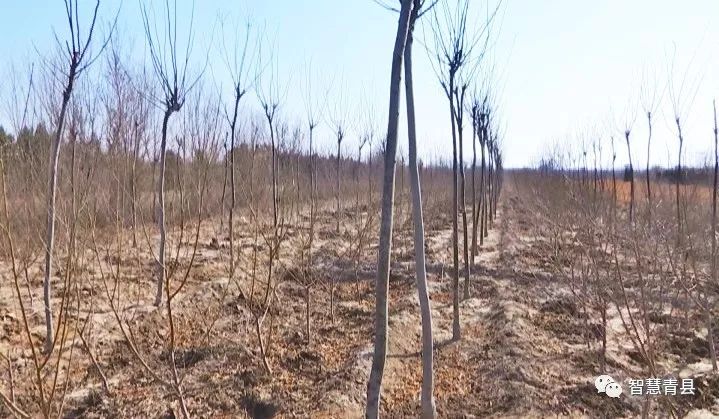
[337,227]
[358,218]
[52,190]
[463,206]
[369,177]
[490,189]
[312,194]
[297,184]
[312,233]
[400,212]
[497,181]
[482,192]
[488,192]
[374,385]
[614,185]
[133,186]
[427,398]
[474,185]
[337,191]
[631,179]
[595,179]
[162,269]
[154,191]
[710,336]
[274,174]
[233,203]
[456,332]
[224,187]
[678,178]
[649,185]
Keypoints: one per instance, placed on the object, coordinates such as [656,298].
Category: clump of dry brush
[642,257]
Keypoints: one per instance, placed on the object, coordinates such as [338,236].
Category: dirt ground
[522,352]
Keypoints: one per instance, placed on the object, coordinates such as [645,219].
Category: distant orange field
[660,190]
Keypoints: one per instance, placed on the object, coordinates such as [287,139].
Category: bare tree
[78,60]
[139,133]
[627,132]
[270,97]
[459,97]
[427,396]
[171,71]
[454,48]
[239,62]
[492,180]
[374,385]
[365,131]
[614,183]
[339,122]
[649,99]
[450,53]
[484,134]
[313,111]
[497,170]
[474,113]
[681,101]
[710,332]
[629,119]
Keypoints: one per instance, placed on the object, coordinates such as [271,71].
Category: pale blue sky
[565,70]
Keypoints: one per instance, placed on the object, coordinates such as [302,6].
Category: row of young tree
[126,149]
[457,52]
[638,247]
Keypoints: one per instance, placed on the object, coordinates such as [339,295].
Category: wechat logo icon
[606,384]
